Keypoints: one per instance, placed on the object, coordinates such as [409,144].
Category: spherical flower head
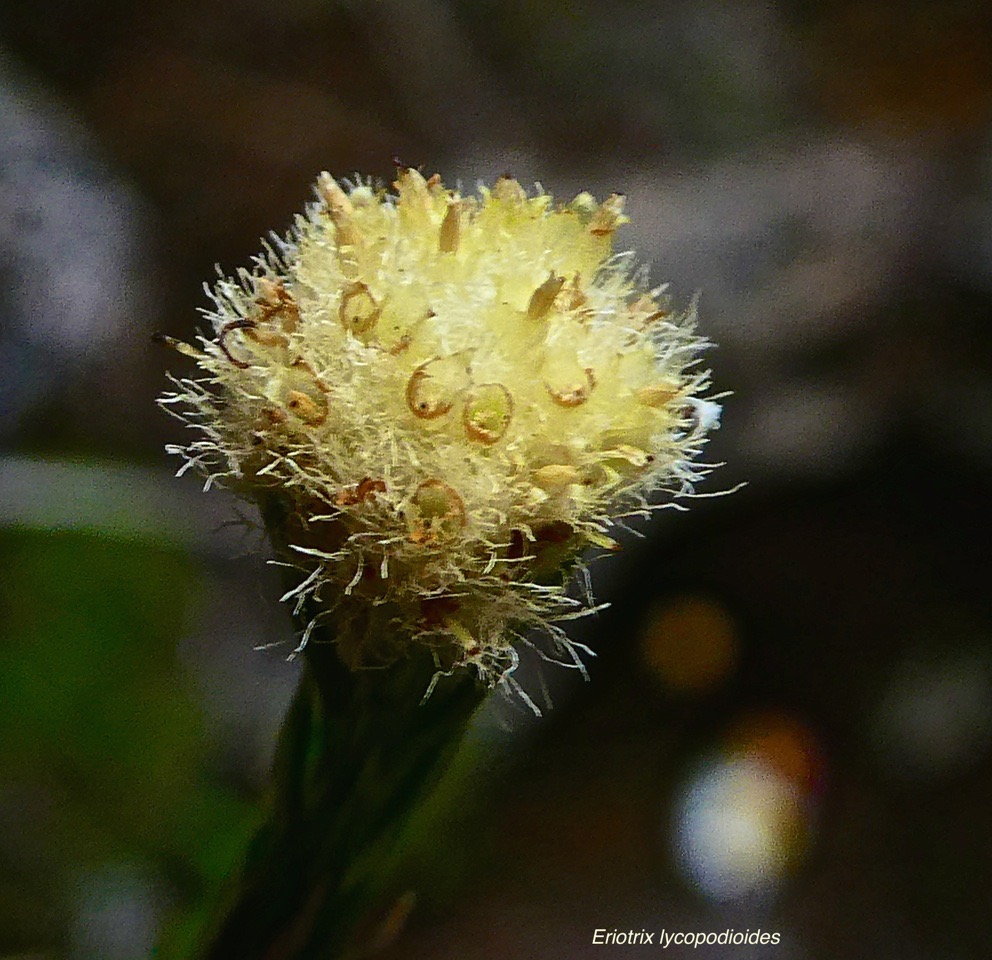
[445,400]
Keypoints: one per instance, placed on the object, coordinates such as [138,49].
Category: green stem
[358,754]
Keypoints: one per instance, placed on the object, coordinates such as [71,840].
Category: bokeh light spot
[935,717]
[783,743]
[739,826]
[690,644]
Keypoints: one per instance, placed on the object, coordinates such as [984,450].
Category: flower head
[446,399]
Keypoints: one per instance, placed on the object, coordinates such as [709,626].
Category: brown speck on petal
[275,303]
[401,345]
[436,611]
[300,364]
[576,395]
[574,298]
[361,492]
[608,217]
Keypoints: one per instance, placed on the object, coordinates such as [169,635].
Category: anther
[556,476]
[543,297]
[451,228]
[340,209]
[306,408]
[305,394]
[184,348]
[656,395]
[635,456]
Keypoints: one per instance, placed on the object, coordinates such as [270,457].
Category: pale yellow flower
[449,398]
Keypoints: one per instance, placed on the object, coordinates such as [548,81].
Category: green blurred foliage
[104,753]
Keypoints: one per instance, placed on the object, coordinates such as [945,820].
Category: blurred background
[789,720]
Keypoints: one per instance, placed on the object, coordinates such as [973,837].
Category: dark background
[788,724]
